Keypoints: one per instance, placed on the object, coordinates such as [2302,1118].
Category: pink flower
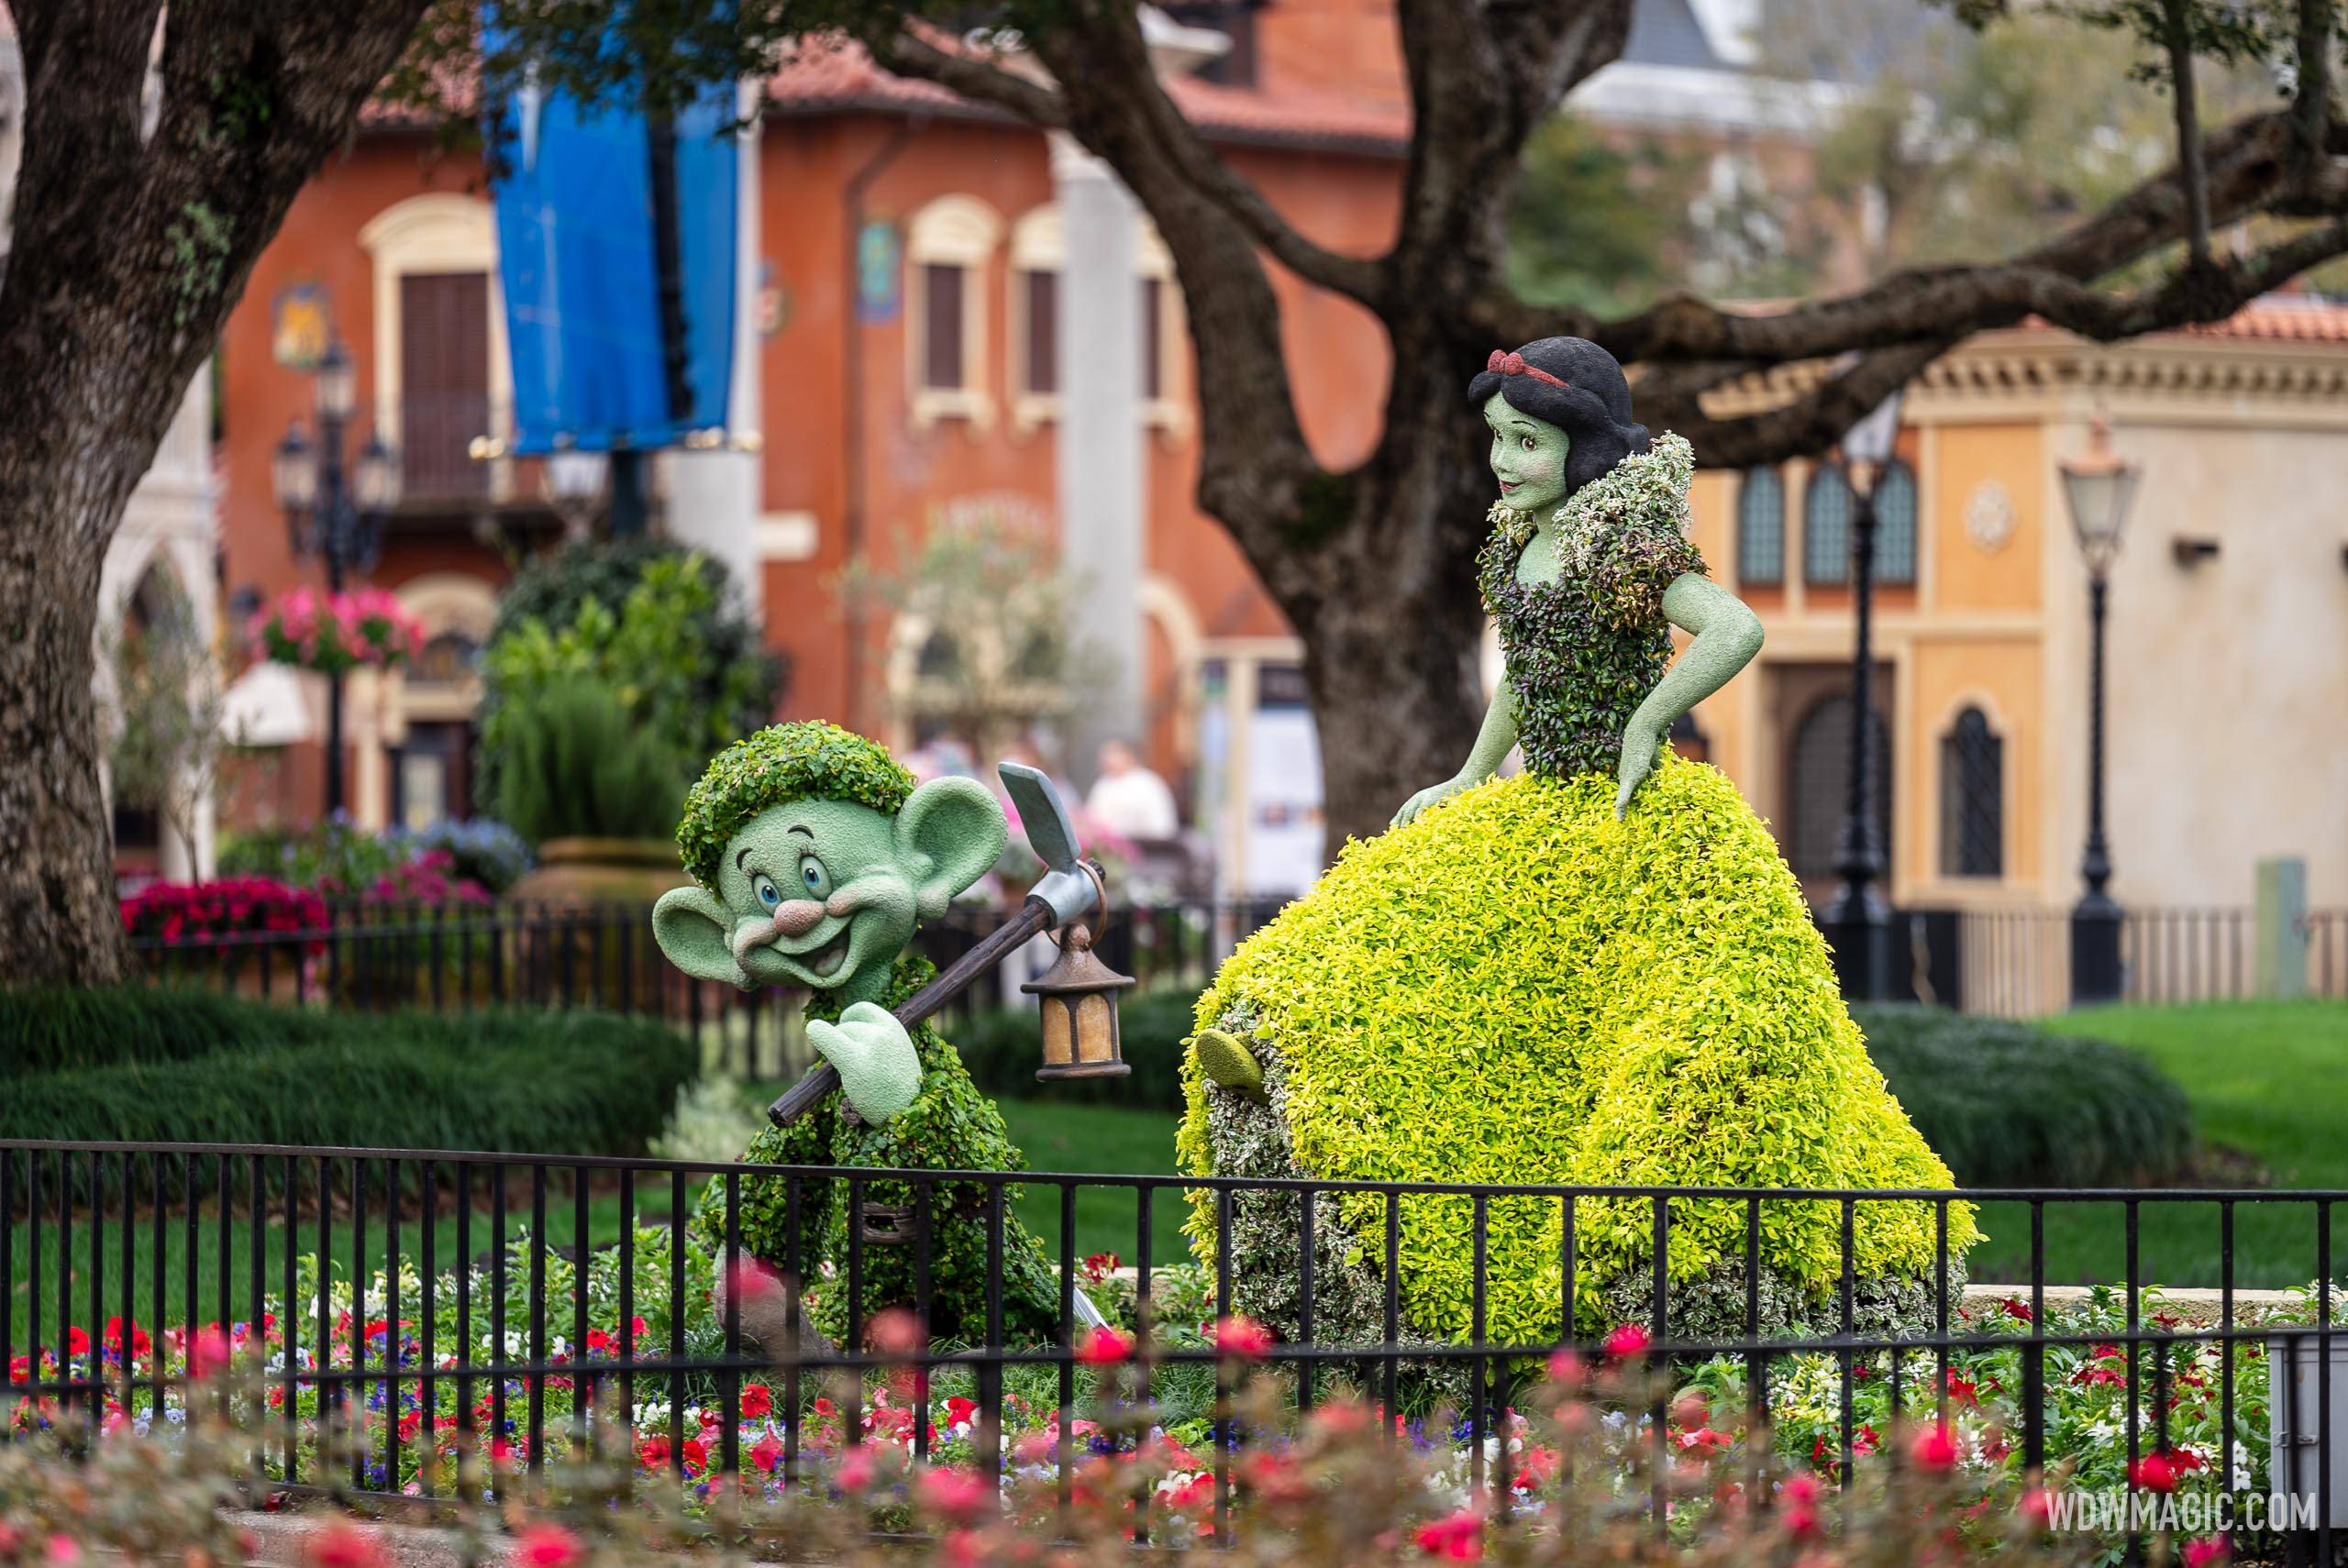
[1631,1339]
[1104,1346]
[1933,1448]
[895,1332]
[1565,1365]
[545,1545]
[1242,1338]
[2207,1550]
[342,1545]
[1798,1504]
[2038,1507]
[207,1352]
[64,1551]
[750,1281]
[1456,1538]
[854,1471]
[956,1494]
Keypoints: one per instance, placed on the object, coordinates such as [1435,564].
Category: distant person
[1128,799]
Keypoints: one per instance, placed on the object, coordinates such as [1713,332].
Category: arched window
[1895,524]
[1761,527]
[1973,798]
[1826,527]
[948,246]
[1818,786]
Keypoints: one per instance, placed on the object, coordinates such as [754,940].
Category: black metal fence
[517,1302]
[455,958]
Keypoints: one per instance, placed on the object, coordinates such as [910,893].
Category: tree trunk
[1395,695]
[142,200]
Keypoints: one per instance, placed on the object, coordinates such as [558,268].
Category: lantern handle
[1098,910]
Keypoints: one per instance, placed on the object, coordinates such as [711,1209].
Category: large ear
[948,835]
[695,929]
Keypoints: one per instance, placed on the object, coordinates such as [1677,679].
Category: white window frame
[951,231]
[1039,243]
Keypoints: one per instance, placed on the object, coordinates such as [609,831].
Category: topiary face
[1528,457]
[828,861]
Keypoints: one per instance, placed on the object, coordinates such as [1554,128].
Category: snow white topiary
[1599,972]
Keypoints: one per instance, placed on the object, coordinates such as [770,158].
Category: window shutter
[443,382]
[1043,332]
[942,325]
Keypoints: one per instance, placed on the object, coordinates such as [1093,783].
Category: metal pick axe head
[1065,885]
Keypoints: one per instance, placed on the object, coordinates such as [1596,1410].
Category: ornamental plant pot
[573,872]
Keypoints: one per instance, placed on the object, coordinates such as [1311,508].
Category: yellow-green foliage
[1517,989]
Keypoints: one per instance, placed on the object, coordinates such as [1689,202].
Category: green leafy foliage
[152,1066]
[951,1126]
[576,765]
[649,620]
[1518,988]
[2009,1105]
[806,760]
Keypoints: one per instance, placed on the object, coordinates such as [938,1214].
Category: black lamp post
[1857,920]
[335,512]
[2097,488]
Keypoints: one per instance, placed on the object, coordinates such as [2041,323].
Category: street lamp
[1857,920]
[333,510]
[2097,488]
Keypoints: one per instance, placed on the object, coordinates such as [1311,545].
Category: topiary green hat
[804,760]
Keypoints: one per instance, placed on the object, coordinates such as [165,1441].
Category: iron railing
[524,1294]
[454,958]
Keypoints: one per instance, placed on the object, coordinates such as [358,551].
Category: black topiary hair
[1593,408]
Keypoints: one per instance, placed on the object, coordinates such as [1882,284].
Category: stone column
[712,498]
[1100,445]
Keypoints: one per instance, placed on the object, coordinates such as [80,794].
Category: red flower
[77,1340]
[1703,1442]
[1104,1346]
[2013,1308]
[599,1341]
[2038,1507]
[1456,1538]
[1099,1266]
[1242,1338]
[765,1453]
[545,1545]
[756,1401]
[207,1352]
[1631,1339]
[955,1493]
[696,1452]
[653,1453]
[1933,1448]
[2156,1472]
[750,1281]
[959,1409]
[2207,1550]
[825,1408]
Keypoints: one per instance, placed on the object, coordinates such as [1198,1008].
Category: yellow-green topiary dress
[1519,988]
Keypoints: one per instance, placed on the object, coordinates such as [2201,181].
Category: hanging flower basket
[335,632]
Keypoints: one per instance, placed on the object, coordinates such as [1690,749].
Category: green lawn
[2266,1081]
[1093,1138]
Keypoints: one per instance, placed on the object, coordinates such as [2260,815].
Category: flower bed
[334,632]
[1149,1429]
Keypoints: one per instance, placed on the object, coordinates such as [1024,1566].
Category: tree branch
[1360,278]
[1807,423]
[2311,93]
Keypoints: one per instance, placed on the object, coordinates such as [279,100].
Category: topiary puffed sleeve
[1631,567]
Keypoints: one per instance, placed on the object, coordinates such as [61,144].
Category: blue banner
[579,257]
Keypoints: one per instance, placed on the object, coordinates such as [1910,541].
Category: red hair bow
[1510,363]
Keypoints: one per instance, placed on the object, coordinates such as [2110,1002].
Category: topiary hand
[1640,744]
[880,1071]
[1413,808]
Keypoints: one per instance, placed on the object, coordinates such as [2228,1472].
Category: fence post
[2281,940]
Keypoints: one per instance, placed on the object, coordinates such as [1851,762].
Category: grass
[2266,1081]
[1105,1140]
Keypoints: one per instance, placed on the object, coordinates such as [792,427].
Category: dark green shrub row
[180,1067]
[2009,1105]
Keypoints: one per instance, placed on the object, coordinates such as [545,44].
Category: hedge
[159,1065]
[2009,1105]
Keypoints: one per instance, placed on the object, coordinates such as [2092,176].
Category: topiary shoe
[1229,1063]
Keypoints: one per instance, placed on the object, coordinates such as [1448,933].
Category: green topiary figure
[816,856]
[1598,972]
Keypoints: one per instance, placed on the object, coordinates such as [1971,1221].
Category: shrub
[576,765]
[335,856]
[2009,1105]
[157,1065]
[177,913]
[650,618]
[1489,996]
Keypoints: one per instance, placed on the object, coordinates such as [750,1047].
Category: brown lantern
[1079,997]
